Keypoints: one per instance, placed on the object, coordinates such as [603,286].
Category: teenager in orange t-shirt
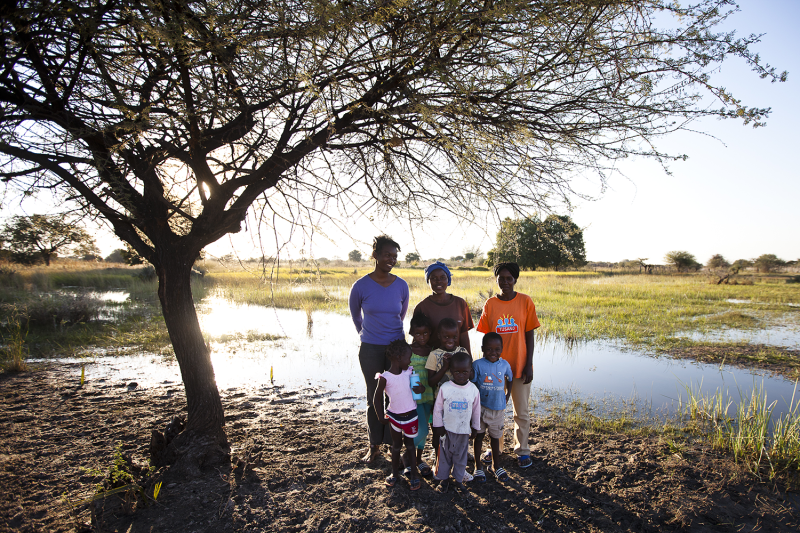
[513,315]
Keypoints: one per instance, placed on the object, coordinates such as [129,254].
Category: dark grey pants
[374,361]
[453,453]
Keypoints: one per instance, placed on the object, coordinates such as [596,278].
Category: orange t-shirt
[511,320]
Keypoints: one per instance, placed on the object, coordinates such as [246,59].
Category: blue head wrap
[436,266]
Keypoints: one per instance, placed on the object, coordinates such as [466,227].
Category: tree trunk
[203,441]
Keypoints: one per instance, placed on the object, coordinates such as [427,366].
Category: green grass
[766,448]
[572,306]
[643,310]
[14,351]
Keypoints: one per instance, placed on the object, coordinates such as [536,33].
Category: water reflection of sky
[773,336]
[599,370]
[325,355]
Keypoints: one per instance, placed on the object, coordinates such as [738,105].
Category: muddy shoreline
[295,468]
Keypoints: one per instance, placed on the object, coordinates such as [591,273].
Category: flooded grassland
[668,368]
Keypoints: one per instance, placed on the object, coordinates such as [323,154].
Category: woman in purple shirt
[378,305]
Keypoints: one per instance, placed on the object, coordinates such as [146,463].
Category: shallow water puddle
[322,357]
[774,336]
[599,371]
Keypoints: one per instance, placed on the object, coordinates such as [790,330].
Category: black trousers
[373,360]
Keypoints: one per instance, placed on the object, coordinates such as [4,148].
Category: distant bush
[682,260]
[793,279]
[717,261]
[741,264]
[768,263]
[56,310]
[148,273]
[8,276]
[117,256]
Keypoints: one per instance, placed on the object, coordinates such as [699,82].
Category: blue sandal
[525,461]
[479,476]
[501,474]
[414,484]
[424,469]
[486,458]
[390,481]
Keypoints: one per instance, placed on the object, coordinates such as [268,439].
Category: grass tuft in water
[749,434]
[14,353]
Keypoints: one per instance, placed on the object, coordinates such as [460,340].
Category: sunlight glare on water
[324,354]
[775,336]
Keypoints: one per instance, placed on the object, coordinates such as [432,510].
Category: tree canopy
[533,243]
[741,264]
[682,260]
[40,238]
[718,261]
[768,262]
[172,118]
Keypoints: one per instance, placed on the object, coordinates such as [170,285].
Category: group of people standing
[439,328]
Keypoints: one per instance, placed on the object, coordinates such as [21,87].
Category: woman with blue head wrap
[440,304]
[438,265]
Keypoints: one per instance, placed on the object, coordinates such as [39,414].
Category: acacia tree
[682,260]
[533,243]
[717,261]
[768,262]
[40,237]
[171,118]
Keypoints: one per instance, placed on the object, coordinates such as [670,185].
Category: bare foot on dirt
[372,454]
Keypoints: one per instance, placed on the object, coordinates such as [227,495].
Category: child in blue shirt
[493,377]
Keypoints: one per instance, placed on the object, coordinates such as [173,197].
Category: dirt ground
[296,468]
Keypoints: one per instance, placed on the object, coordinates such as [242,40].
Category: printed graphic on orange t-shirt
[506,324]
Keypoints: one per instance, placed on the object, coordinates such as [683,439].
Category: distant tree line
[684,261]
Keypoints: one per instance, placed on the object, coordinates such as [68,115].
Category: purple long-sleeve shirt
[378,311]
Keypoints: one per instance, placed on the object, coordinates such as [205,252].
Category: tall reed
[14,353]
[750,434]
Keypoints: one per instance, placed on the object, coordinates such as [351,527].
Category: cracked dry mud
[296,468]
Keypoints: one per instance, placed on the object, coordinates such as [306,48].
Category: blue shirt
[378,311]
[490,379]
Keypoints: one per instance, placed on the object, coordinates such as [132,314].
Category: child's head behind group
[420,329]
[461,362]
[448,334]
